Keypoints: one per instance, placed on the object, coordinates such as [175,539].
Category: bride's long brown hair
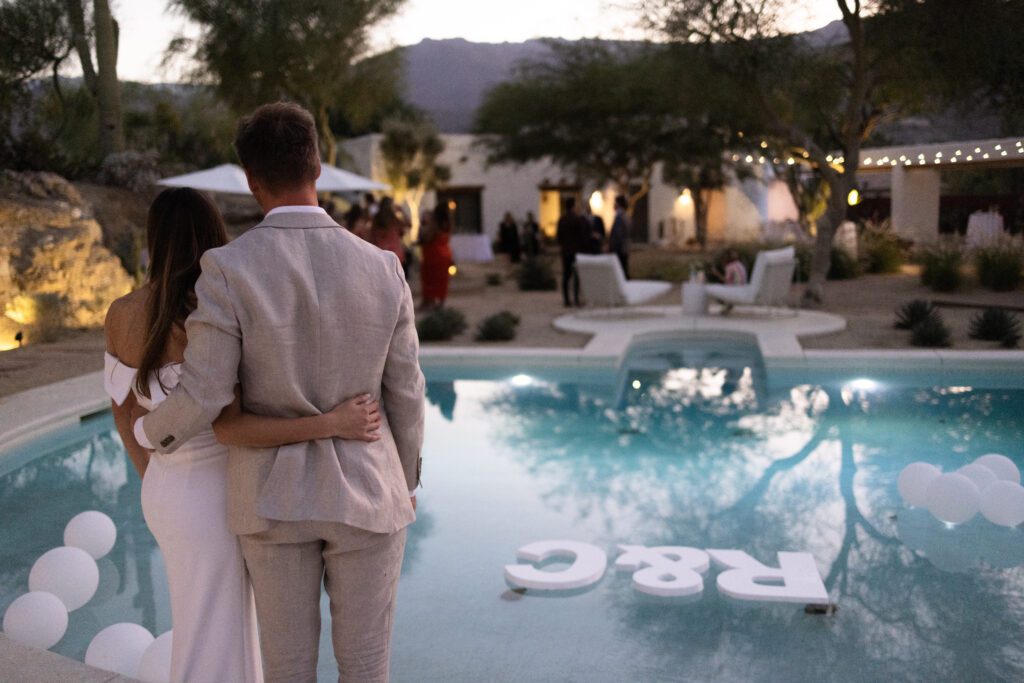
[182,224]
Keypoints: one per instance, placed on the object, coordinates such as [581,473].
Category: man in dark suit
[618,238]
[572,234]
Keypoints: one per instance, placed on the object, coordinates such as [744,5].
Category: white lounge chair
[769,283]
[604,284]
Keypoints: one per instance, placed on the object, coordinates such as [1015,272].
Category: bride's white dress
[184,501]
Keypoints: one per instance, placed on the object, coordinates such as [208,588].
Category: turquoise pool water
[683,446]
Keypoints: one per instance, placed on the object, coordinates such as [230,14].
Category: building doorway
[639,230]
[466,207]
[552,198]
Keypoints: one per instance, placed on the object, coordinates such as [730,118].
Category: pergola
[916,176]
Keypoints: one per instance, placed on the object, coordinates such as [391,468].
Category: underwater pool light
[521,381]
[863,384]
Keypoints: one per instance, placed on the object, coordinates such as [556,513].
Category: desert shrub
[941,267]
[994,324]
[999,266]
[1010,341]
[441,324]
[137,171]
[493,279]
[842,265]
[48,317]
[498,327]
[881,249]
[911,313]
[931,332]
[536,275]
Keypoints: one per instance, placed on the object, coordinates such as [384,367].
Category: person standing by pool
[435,230]
[184,496]
[303,314]
[618,237]
[508,237]
[571,234]
[386,230]
[531,236]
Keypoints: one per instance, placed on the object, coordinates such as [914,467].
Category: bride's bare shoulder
[126,321]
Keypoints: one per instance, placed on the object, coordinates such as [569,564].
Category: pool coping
[24,664]
[31,414]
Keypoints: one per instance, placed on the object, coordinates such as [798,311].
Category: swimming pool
[683,445]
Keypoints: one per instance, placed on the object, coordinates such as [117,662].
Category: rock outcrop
[51,251]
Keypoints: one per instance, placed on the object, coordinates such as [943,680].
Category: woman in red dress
[437,256]
[387,229]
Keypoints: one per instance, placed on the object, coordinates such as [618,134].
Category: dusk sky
[146,26]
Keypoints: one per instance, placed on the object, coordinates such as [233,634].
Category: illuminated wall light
[853,199]
[596,202]
[685,198]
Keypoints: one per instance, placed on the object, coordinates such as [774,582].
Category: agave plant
[931,332]
[994,324]
[910,314]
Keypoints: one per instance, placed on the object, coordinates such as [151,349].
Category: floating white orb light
[1001,466]
[92,531]
[1003,504]
[119,648]
[69,573]
[38,619]
[982,476]
[914,481]
[155,665]
[953,498]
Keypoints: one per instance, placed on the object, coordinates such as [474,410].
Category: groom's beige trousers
[359,569]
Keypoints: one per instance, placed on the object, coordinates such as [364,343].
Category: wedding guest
[572,231]
[531,235]
[595,232]
[618,238]
[508,238]
[734,272]
[435,231]
[357,221]
[387,228]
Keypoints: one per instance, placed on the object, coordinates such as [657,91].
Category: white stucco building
[482,193]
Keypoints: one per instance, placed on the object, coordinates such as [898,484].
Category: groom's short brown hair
[277,145]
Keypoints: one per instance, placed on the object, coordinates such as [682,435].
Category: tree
[592,107]
[411,147]
[258,51]
[819,103]
[101,78]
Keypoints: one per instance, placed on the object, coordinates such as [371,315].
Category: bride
[184,495]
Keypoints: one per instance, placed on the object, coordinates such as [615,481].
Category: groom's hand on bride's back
[357,419]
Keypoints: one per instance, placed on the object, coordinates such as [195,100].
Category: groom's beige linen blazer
[304,315]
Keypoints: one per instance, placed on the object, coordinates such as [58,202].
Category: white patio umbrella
[230,179]
[334,179]
[226,178]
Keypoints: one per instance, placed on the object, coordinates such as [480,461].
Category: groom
[305,315]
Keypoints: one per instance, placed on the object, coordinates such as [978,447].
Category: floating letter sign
[587,567]
[666,571]
[670,571]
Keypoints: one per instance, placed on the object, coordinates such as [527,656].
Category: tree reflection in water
[706,457]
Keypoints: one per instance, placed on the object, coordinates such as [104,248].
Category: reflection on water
[708,459]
